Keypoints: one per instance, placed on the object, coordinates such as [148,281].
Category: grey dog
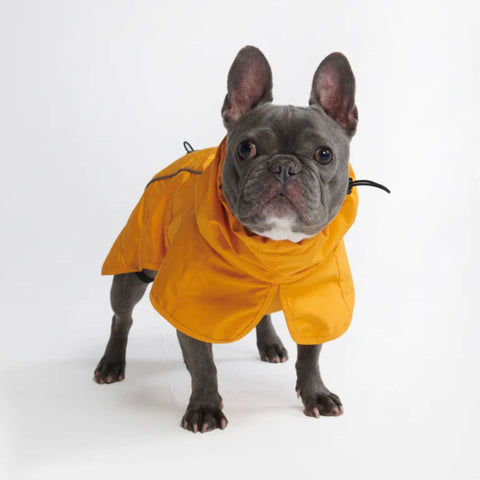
[286,132]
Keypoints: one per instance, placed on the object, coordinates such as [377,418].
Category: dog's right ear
[249,84]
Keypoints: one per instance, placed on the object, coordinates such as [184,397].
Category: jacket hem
[203,338]
[302,339]
[134,267]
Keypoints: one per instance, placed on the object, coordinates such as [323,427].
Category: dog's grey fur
[283,190]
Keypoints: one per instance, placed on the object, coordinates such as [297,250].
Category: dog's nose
[285,168]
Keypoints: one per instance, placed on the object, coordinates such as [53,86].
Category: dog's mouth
[277,200]
[279,204]
[280,219]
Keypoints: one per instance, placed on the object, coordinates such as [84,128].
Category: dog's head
[285,173]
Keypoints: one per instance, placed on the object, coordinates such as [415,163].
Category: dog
[231,234]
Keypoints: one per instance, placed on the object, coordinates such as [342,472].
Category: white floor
[400,420]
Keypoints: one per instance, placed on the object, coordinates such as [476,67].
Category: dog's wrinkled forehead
[288,129]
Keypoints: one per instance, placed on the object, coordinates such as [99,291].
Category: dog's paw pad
[273,353]
[324,404]
[204,419]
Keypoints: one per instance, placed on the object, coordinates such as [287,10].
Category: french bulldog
[286,182]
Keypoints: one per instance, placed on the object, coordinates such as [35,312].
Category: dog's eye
[323,155]
[247,150]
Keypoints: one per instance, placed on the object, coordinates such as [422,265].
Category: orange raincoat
[216,280]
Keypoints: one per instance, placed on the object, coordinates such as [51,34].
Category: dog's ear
[333,88]
[249,84]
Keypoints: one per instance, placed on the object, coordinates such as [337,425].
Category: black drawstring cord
[188,147]
[368,183]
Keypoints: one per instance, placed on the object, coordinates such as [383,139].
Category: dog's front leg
[316,398]
[204,411]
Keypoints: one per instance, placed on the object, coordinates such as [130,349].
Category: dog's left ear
[249,84]
[333,88]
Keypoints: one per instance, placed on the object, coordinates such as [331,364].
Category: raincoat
[215,279]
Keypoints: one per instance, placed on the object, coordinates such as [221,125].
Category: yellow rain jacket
[216,280]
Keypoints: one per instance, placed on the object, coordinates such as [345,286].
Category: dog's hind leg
[127,290]
[269,345]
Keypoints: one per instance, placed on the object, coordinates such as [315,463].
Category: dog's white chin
[281,229]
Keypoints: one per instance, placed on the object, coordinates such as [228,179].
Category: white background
[96,97]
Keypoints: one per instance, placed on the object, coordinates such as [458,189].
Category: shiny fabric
[216,280]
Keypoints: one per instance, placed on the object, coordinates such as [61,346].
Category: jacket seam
[170,175]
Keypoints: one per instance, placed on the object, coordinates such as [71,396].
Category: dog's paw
[109,371]
[203,419]
[273,352]
[323,403]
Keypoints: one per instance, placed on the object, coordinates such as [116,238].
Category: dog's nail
[204,427]
[341,409]
[195,428]
[223,423]
[316,412]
